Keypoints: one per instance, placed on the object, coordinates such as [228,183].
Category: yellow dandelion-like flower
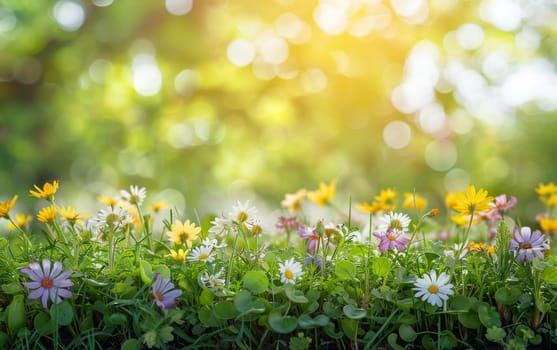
[548,225]
[183,233]
[546,190]
[69,214]
[414,201]
[472,202]
[386,197]
[156,207]
[6,206]
[550,200]
[323,194]
[450,200]
[20,221]
[47,214]
[374,207]
[47,192]
[178,256]
[110,201]
[293,201]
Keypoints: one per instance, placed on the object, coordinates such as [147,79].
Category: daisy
[69,214]
[213,243]
[47,214]
[47,192]
[323,194]
[183,233]
[135,196]
[6,206]
[293,201]
[214,281]
[179,255]
[529,243]
[243,212]
[290,271]
[308,233]
[112,217]
[395,221]
[434,289]
[220,225]
[472,202]
[391,239]
[503,204]
[202,253]
[164,292]
[48,283]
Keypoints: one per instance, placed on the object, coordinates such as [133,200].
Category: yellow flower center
[159,296]
[112,219]
[242,216]
[47,283]
[391,237]
[289,274]
[203,256]
[433,289]
[525,246]
[396,224]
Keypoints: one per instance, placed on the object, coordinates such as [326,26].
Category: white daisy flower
[202,253]
[213,243]
[214,281]
[135,196]
[290,271]
[220,226]
[399,221]
[433,289]
[243,212]
[111,217]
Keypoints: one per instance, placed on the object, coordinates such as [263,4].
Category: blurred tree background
[200,100]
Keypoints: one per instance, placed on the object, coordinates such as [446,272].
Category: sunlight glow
[470,36]
[147,77]
[240,52]
[70,15]
[8,20]
[440,155]
[178,7]
[503,14]
[397,134]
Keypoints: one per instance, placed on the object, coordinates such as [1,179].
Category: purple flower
[164,292]
[47,282]
[308,233]
[503,204]
[391,239]
[529,243]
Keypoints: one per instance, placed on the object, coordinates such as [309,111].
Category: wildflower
[47,214]
[214,281]
[391,239]
[308,233]
[213,243]
[70,215]
[254,227]
[472,203]
[414,201]
[546,190]
[48,283]
[183,233]
[6,206]
[529,243]
[290,271]
[317,260]
[287,223]
[112,217]
[110,201]
[135,196]
[220,225]
[374,207]
[481,247]
[20,221]
[164,292]
[395,221]
[450,200]
[243,212]
[47,192]
[386,199]
[501,202]
[433,289]
[202,253]
[293,201]
[323,194]
[548,225]
[158,206]
[178,256]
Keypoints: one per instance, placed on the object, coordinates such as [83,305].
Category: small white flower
[399,221]
[111,217]
[213,243]
[434,289]
[202,253]
[213,282]
[135,196]
[243,212]
[290,271]
[220,226]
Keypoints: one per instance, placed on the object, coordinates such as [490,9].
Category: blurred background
[208,101]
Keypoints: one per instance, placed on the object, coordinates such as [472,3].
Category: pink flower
[529,243]
[503,204]
[391,239]
[308,233]
[164,292]
[48,283]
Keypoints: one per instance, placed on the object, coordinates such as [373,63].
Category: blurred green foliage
[102,94]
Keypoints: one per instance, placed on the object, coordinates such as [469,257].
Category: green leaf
[447,340]
[256,281]
[225,310]
[469,320]
[207,317]
[282,324]
[62,313]
[349,327]
[15,314]
[331,310]
[549,274]
[354,313]
[296,296]
[306,321]
[116,319]
[507,295]
[391,339]
[407,333]
[43,323]
[12,288]
[381,266]
[206,297]
[146,272]
[488,316]
[345,270]
[495,334]
[246,303]
[131,344]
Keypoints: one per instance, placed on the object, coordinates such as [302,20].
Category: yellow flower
[450,200]
[47,214]
[20,221]
[374,207]
[472,203]
[481,247]
[5,207]
[183,233]
[386,197]
[323,194]
[156,207]
[48,190]
[545,190]
[548,225]
[461,220]
[179,255]
[550,200]
[412,200]
[110,201]
[69,214]
[292,201]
